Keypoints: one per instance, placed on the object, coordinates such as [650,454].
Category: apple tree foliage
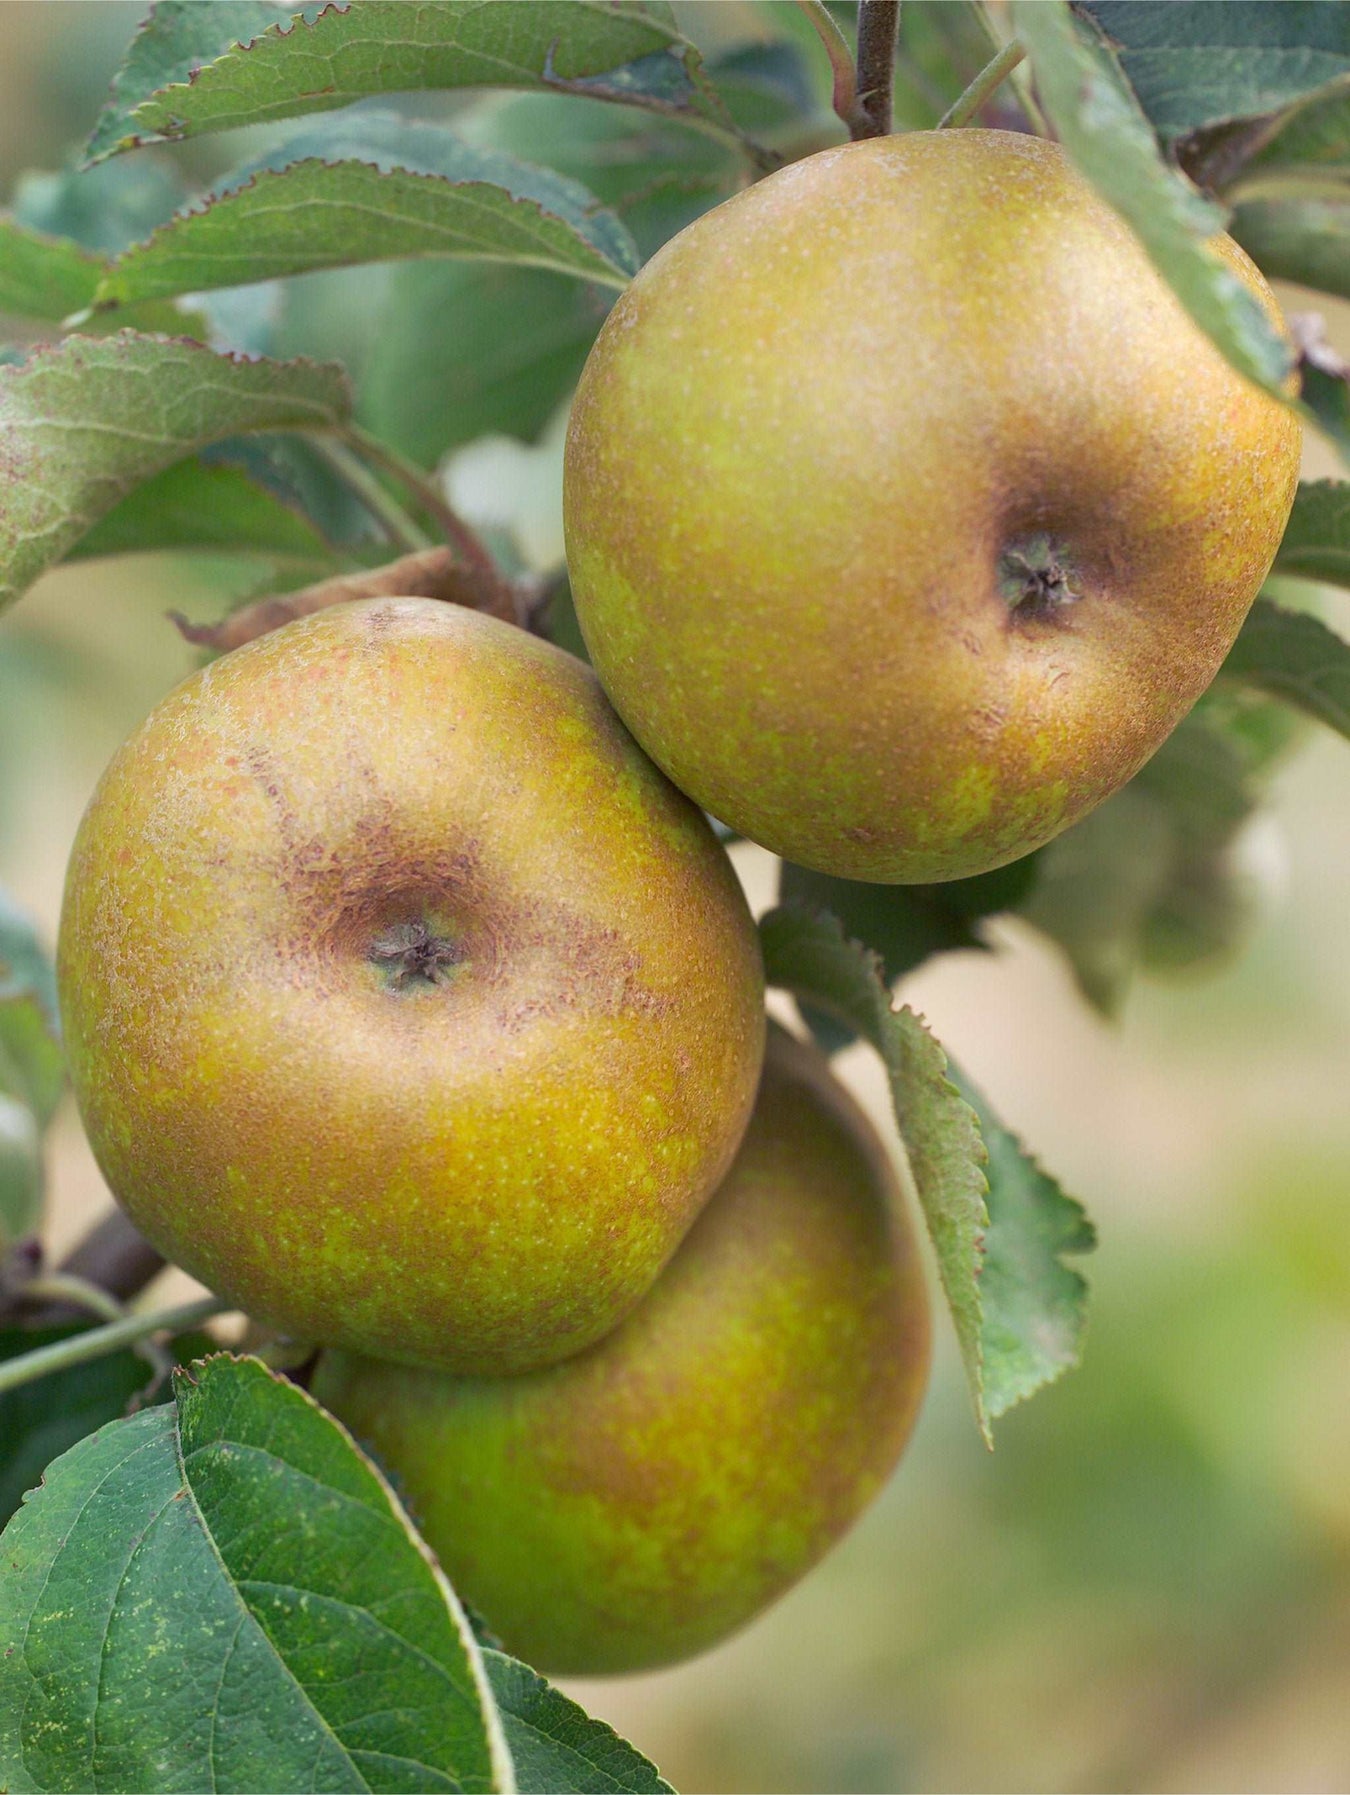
[213,1587]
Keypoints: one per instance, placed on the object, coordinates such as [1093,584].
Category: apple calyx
[409,953]
[1036,578]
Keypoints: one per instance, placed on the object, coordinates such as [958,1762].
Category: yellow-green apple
[408,1005]
[906,509]
[641,1501]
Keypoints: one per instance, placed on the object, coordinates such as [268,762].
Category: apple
[907,511]
[408,1006]
[642,1501]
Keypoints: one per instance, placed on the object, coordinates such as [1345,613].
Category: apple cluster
[411,1001]
[412,1008]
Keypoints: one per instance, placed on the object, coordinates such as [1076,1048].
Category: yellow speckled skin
[483,1172]
[808,433]
[637,1504]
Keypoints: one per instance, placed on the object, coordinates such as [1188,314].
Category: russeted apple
[906,509]
[407,1004]
[643,1500]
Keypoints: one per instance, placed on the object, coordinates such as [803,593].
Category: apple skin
[831,452]
[479,1163]
[640,1502]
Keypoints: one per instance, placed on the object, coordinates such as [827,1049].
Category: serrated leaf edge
[498,1752]
[606,272]
[1085,1241]
[175,133]
[136,140]
[593,1720]
[871,961]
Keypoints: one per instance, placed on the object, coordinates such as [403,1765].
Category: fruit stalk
[878,23]
[991,76]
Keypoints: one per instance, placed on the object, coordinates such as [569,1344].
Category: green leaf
[1326,394]
[657,176]
[1035,1306]
[43,277]
[473,348]
[186,72]
[809,955]
[1202,774]
[1313,142]
[31,1064]
[46,1417]
[1316,543]
[86,421]
[374,188]
[903,924]
[1017,1311]
[448,351]
[1099,882]
[197,504]
[172,45]
[295,472]
[222,1593]
[766,87]
[100,209]
[1258,731]
[1150,878]
[1194,66]
[52,279]
[1298,238]
[1295,657]
[1103,129]
[556,1745]
[20,1171]
[96,211]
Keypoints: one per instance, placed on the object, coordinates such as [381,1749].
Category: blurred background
[1147,1585]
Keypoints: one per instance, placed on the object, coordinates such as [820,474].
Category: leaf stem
[963,109]
[398,527]
[64,1287]
[718,124]
[878,23]
[96,1343]
[845,96]
[466,542]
